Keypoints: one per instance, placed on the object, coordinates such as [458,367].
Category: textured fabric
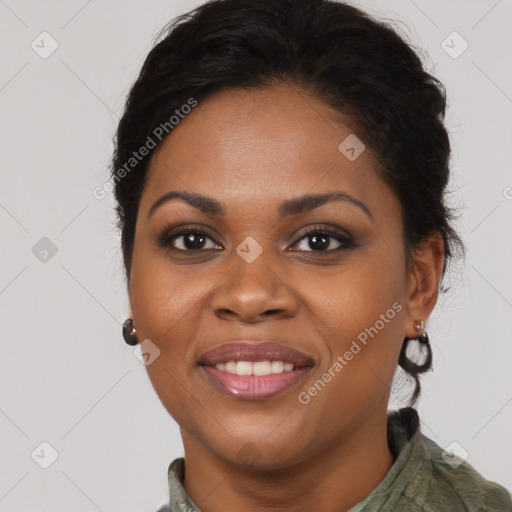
[419,480]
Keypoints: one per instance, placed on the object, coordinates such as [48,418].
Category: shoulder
[455,481]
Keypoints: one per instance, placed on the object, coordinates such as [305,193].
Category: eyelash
[167,237]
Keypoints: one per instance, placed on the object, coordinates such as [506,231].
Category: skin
[251,150]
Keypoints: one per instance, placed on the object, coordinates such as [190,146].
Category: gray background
[67,377]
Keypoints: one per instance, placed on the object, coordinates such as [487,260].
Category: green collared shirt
[420,479]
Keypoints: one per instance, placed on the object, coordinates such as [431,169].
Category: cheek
[162,296]
[359,311]
[167,313]
[352,297]
[166,305]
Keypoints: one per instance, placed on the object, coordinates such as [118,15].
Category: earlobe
[424,280]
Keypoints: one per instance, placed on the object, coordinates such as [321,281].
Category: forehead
[252,146]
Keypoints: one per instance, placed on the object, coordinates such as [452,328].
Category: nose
[254,292]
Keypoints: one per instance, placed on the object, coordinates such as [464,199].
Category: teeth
[254,368]
[244,368]
[230,367]
[277,366]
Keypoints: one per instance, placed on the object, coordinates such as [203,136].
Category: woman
[280,173]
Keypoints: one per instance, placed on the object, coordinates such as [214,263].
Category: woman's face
[253,273]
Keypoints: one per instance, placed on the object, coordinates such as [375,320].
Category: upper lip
[254,351]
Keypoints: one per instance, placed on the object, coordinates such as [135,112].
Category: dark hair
[354,63]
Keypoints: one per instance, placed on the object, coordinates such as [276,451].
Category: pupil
[194,241]
[319,242]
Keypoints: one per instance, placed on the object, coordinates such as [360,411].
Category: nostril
[271,311]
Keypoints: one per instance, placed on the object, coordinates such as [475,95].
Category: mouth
[255,371]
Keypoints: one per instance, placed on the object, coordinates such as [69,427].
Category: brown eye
[190,239]
[319,239]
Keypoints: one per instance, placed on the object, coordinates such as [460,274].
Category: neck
[333,480]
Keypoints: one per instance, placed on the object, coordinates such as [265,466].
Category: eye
[315,239]
[320,239]
[187,239]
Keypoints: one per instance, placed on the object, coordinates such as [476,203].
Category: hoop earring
[129,332]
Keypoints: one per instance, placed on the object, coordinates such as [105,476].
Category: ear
[423,282]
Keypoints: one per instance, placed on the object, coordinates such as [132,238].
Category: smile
[257,380]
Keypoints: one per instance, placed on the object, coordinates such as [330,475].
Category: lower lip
[254,387]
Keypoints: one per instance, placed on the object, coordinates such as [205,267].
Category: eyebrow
[294,206]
